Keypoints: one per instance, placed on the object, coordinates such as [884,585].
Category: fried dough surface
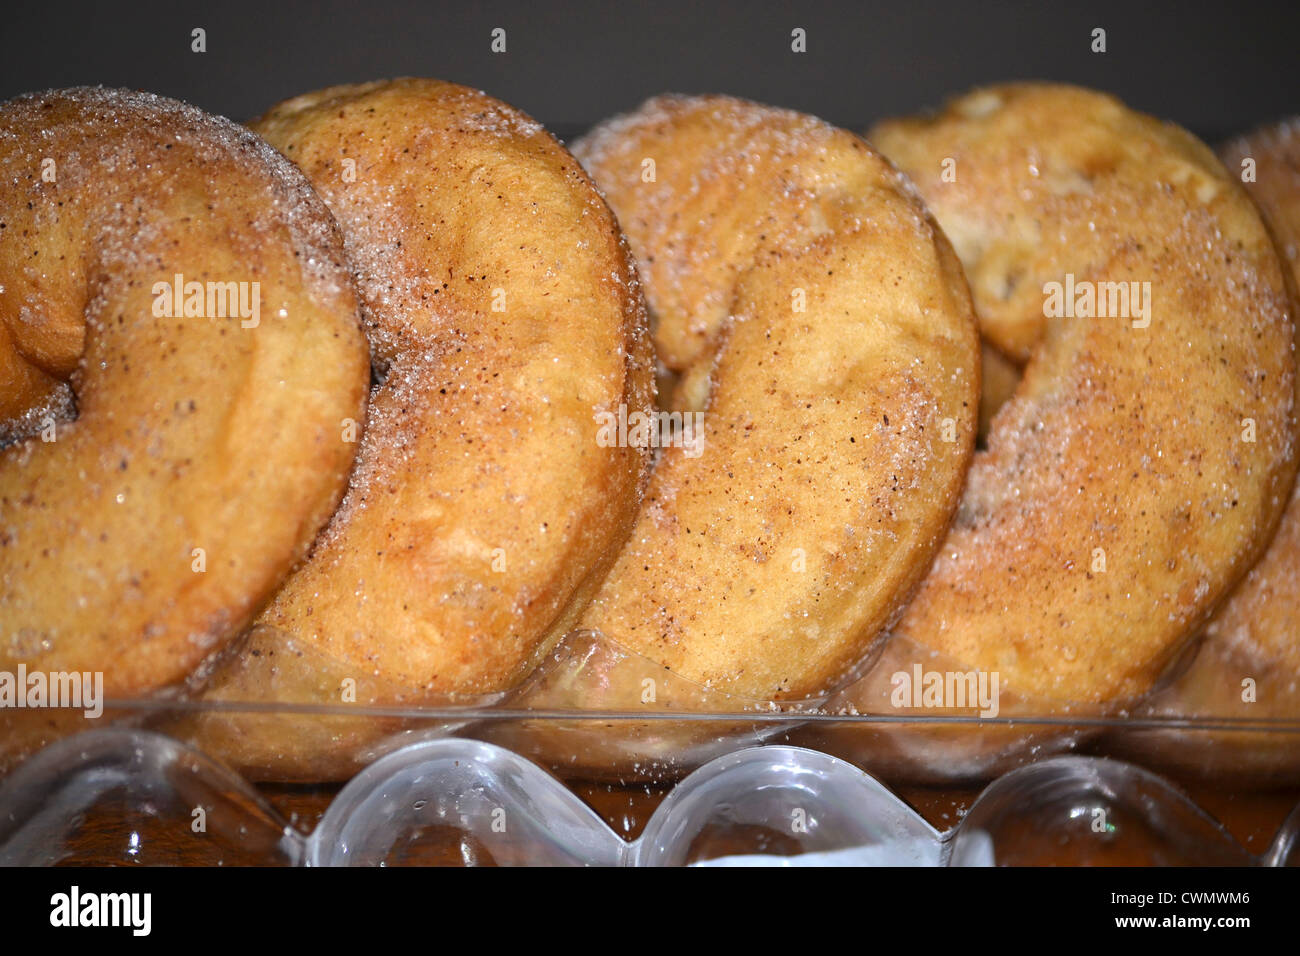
[190,431]
[820,321]
[1144,460]
[163,472]
[1261,615]
[1248,664]
[504,314]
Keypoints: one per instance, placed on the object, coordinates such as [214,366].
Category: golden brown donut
[504,315]
[165,469]
[820,322]
[1144,460]
[1248,665]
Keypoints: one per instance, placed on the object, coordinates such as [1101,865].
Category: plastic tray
[140,797]
[751,781]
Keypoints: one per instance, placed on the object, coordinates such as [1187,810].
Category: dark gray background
[1215,68]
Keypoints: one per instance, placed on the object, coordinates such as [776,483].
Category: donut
[1247,667]
[821,328]
[181,352]
[505,320]
[1145,457]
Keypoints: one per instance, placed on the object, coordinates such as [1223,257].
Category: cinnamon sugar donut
[820,323]
[179,353]
[1145,458]
[504,318]
[1248,665]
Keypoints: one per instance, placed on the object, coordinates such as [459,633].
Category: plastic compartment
[138,797]
[651,725]
[489,781]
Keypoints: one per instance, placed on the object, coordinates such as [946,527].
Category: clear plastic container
[499,781]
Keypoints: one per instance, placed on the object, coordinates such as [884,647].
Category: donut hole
[999,380]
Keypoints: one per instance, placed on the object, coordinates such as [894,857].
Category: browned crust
[1125,444]
[767,565]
